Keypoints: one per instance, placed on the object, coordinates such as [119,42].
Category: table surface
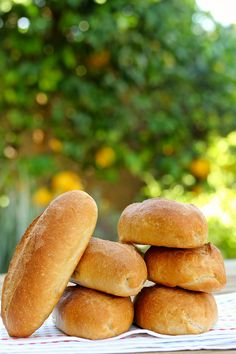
[230,266]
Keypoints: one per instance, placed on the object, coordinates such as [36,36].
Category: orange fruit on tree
[105,157]
[55,145]
[200,168]
[65,181]
[42,196]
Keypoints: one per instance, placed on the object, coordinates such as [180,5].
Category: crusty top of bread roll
[44,260]
[91,314]
[111,267]
[161,222]
[174,311]
[200,269]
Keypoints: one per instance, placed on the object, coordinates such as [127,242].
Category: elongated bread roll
[111,267]
[91,314]
[44,261]
[161,222]
[199,269]
[175,311]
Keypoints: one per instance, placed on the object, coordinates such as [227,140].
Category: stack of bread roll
[100,307]
[57,244]
[185,268]
[57,248]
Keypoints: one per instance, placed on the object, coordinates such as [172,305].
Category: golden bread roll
[199,269]
[111,267]
[174,311]
[44,260]
[161,222]
[91,314]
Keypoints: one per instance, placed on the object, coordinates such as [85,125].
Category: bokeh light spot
[10,152]
[38,136]
[189,180]
[100,2]
[41,98]
[5,5]
[4,201]
[23,24]
[40,3]
[84,26]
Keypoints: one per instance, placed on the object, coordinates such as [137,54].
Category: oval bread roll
[200,269]
[111,267]
[174,311]
[161,222]
[91,314]
[44,261]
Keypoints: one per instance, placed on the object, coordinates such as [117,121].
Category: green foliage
[143,78]
[217,198]
[139,86]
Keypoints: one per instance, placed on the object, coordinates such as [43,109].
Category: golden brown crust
[161,222]
[44,261]
[91,314]
[111,267]
[175,311]
[200,269]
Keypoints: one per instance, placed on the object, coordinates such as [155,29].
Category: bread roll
[174,311]
[44,261]
[161,222]
[200,269]
[91,314]
[111,267]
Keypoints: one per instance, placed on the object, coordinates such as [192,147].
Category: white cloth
[48,339]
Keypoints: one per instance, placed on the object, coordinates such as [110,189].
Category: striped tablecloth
[48,339]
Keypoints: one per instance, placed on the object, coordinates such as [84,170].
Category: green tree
[143,78]
[106,86]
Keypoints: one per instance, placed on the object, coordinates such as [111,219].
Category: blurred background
[124,99]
